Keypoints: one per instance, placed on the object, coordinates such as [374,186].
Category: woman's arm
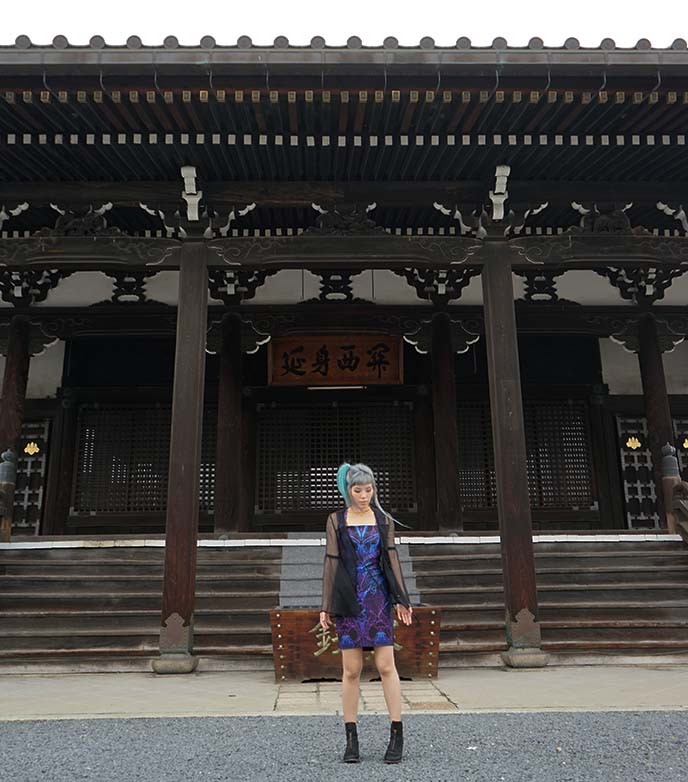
[403,601]
[329,569]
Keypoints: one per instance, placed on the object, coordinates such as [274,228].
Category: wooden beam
[225,195]
[444,415]
[112,250]
[151,320]
[321,249]
[181,530]
[592,250]
[660,428]
[229,463]
[508,436]
[515,88]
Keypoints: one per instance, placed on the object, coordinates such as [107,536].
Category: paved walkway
[580,688]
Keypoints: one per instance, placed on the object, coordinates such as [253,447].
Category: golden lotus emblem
[31,448]
[633,443]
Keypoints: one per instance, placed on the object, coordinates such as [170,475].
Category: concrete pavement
[579,688]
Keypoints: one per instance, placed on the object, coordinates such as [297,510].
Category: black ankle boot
[351,753]
[396,743]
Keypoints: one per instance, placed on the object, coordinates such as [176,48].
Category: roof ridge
[281,43]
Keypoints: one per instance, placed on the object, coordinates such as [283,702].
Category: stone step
[633,646]
[139,553]
[114,585]
[545,577]
[604,612]
[80,569]
[133,600]
[568,548]
[68,641]
[674,558]
[563,593]
[585,647]
[558,633]
[115,651]
[133,622]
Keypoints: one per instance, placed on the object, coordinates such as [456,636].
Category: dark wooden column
[248,443]
[425,460]
[14,382]
[660,429]
[605,454]
[181,528]
[230,514]
[508,435]
[445,424]
[61,463]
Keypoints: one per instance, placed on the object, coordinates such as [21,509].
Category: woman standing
[362,580]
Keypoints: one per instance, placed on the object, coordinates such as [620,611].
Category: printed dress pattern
[374,625]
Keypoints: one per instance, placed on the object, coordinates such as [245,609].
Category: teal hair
[349,475]
[342,483]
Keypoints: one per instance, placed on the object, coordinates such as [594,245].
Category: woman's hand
[404,614]
[325,620]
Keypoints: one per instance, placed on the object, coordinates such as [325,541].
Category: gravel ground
[552,747]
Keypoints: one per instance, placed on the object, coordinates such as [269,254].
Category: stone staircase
[597,600]
[98,608]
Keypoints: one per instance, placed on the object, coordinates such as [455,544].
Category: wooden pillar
[445,424]
[508,435]
[248,442]
[605,455]
[660,428]
[14,382]
[181,529]
[61,464]
[230,512]
[425,460]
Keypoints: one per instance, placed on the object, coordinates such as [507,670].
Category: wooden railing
[675,494]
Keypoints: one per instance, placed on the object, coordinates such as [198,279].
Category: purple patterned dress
[374,625]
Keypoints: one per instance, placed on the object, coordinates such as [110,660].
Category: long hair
[349,475]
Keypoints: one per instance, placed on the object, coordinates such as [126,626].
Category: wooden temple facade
[224,270]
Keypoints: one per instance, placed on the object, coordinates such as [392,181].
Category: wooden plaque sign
[335,360]
[303,650]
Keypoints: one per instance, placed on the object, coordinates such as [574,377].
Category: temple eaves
[426,56]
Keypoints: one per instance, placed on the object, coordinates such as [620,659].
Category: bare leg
[352,663]
[391,686]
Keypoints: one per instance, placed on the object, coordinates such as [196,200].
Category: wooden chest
[303,650]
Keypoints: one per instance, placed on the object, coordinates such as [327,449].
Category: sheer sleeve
[330,565]
[396,564]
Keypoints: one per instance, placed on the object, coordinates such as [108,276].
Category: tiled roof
[281,43]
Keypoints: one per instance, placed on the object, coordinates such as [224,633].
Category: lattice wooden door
[123,455]
[560,466]
[31,474]
[636,464]
[299,448]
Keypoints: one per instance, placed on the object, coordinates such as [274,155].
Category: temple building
[224,270]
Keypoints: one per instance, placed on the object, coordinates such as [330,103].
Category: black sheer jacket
[339,569]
